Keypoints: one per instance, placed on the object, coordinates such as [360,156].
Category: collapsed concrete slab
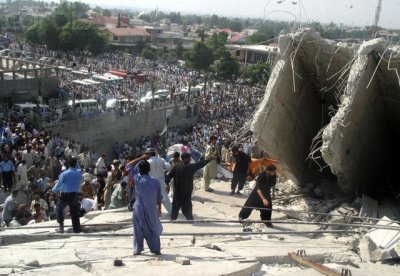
[334,104]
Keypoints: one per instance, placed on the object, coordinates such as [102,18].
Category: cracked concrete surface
[209,255]
[331,110]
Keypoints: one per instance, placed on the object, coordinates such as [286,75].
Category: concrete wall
[100,132]
[27,89]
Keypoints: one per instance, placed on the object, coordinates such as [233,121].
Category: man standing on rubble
[261,197]
[68,185]
[210,170]
[182,174]
[147,208]
[158,166]
[242,162]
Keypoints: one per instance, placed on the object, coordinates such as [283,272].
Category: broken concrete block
[396,250]
[182,260]
[369,207]
[34,263]
[384,238]
[365,248]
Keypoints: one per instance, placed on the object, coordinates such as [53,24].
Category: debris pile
[331,111]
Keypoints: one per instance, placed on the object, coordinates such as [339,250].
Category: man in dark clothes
[242,162]
[182,173]
[260,197]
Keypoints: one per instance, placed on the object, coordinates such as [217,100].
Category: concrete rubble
[256,253]
[331,111]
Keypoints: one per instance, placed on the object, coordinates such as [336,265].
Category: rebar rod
[184,233]
[291,222]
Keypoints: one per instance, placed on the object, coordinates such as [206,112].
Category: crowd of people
[64,178]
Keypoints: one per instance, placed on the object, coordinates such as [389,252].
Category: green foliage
[63,31]
[79,35]
[257,73]
[175,17]
[149,54]
[179,51]
[215,21]
[200,57]
[106,12]
[216,41]
[256,38]
[226,67]
[73,10]
[32,33]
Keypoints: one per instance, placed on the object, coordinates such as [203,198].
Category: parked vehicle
[87,105]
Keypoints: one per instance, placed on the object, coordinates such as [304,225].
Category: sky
[348,12]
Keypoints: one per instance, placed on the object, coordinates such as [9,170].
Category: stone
[182,260]
[385,238]
[34,263]
[365,248]
[369,207]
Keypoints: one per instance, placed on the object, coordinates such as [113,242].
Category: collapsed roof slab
[361,143]
[303,87]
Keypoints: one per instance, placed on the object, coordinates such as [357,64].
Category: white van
[160,94]
[118,103]
[23,108]
[87,105]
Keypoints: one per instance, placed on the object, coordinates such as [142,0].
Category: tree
[79,35]
[256,38]
[200,58]
[227,67]
[257,73]
[175,17]
[32,33]
[216,41]
[148,54]
[48,33]
[106,12]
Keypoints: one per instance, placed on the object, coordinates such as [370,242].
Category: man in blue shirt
[7,170]
[69,184]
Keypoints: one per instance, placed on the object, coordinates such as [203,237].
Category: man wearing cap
[158,166]
[68,185]
[182,174]
[210,170]
[261,197]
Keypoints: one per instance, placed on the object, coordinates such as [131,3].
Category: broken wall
[323,111]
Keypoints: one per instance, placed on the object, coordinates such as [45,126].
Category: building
[251,54]
[128,36]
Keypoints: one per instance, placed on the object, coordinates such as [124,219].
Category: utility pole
[377,17]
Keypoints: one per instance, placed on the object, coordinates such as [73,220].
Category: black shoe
[135,253]
[269,225]
[158,253]
[209,190]
[60,229]
[238,193]
[232,193]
